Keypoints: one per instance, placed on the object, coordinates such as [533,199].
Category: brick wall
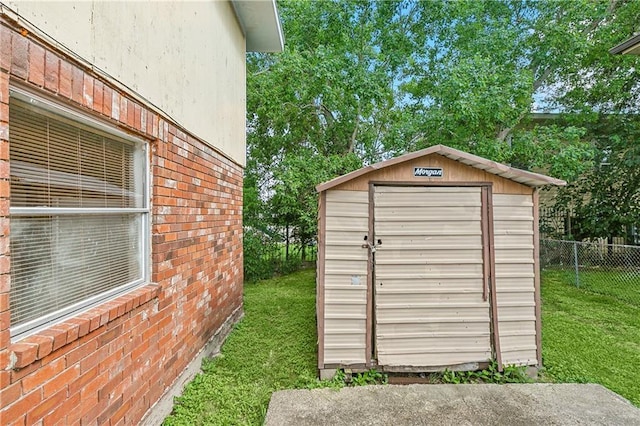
[110,364]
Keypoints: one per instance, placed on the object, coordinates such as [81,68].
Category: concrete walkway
[529,404]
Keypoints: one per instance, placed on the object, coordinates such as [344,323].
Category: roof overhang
[261,24]
[521,176]
[630,46]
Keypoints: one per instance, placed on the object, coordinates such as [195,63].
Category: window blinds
[77,215]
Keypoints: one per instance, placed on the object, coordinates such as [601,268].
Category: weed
[491,374]
[371,377]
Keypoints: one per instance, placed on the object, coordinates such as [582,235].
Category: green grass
[586,338]
[623,285]
[589,337]
[273,348]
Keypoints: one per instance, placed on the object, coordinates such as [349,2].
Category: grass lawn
[586,338]
[273,348]
[624,285]
[589,337]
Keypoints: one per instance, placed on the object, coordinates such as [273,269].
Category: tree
[320,109]
[606,198]
[361,81]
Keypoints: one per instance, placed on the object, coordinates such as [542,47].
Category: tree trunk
[286,252]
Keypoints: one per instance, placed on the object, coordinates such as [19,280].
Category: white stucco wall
[187,58]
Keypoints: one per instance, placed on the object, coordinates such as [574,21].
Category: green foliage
[491,374]
[257,264]
[370,377]
[605,198]
[362,81]
[589,338]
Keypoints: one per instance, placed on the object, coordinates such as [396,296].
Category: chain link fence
[608,269]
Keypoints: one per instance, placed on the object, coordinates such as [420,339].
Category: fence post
[575,262]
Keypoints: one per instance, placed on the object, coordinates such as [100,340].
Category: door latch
[370,246]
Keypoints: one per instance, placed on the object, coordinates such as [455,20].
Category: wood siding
[345,277]
[429,303]
[514,246]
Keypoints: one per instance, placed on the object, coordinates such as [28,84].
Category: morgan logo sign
[427,172]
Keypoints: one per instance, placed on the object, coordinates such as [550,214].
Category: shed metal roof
[521,176]
[631,46]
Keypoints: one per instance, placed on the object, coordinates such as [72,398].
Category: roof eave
[524,177]
[629,46]
[260,24]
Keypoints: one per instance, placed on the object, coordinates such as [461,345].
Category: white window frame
[31,327]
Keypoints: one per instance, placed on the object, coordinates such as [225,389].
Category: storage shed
[429,261]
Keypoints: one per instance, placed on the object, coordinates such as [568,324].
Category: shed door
[429,304]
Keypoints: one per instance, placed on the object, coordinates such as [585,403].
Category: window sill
[35,347]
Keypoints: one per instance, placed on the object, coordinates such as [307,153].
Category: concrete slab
[526,404]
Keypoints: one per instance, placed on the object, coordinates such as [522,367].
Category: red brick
[108,100]
[4,155]
[4,91]
[104,318]
[59,353]
[121,412]
[9,394]
[91,360]
[115,105]
[25,354]
[58,334]
[61,381]
[51,71]
[90,415]
[19,56]
[95,323]
[98,96]
[111,409]
[66,78]
[36,64]
[131,114]
[81,352]
[5,47]
[5,375]
[73,332]
[59,415]
[83,328]
[109,336]
[77,85]
[92,388]
[82,381]
[19,373]
[45,344]
[20,407]
[127,369]
[46,407]
[123,109]
[137,117]
[87,91]
[104,391]
[39,377]
[5,317]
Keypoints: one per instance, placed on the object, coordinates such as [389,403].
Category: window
[79,212]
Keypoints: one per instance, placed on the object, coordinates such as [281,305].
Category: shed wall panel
[513,237]
[429,302]
[453,171]
[345,277]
